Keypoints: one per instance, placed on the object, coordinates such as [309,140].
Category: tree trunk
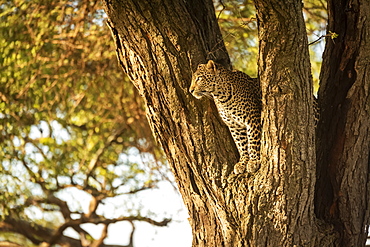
[342,191]
[286,181]
[159,44]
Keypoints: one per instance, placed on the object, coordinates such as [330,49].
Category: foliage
[238,23]
[68,117]
[237,20]
[316,17]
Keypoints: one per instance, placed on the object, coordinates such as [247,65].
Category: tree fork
[159,44]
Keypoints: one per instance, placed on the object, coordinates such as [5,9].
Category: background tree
[70,124]
[277,206]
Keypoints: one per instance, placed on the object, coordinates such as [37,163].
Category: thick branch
[38,234]
[101,220]
[51,199]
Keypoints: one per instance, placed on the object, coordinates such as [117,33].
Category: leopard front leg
[247,141]
[254,145]
[240,136]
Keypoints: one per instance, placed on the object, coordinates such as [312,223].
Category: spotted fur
[238,100]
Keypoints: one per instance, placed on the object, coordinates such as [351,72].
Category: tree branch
[99,241]
[102,220]
[39,235]
[51,199]
[94,161]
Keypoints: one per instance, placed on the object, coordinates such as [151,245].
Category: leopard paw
[239,167]
[253,166]
[248,166]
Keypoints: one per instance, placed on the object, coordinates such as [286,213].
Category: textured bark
[288,176]
[342,191]
[159,44]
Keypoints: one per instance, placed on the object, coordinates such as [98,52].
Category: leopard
[238,99]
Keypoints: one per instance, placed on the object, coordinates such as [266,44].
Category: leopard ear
[211,66]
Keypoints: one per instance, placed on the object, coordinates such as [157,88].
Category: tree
[343,133]
[160,43]
[69,125]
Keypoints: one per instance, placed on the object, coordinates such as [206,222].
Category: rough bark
[288,129]
[342,191]
[159,44]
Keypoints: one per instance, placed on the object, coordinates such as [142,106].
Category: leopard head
[203,80]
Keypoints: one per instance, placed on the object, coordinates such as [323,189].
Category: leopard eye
[199,78]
